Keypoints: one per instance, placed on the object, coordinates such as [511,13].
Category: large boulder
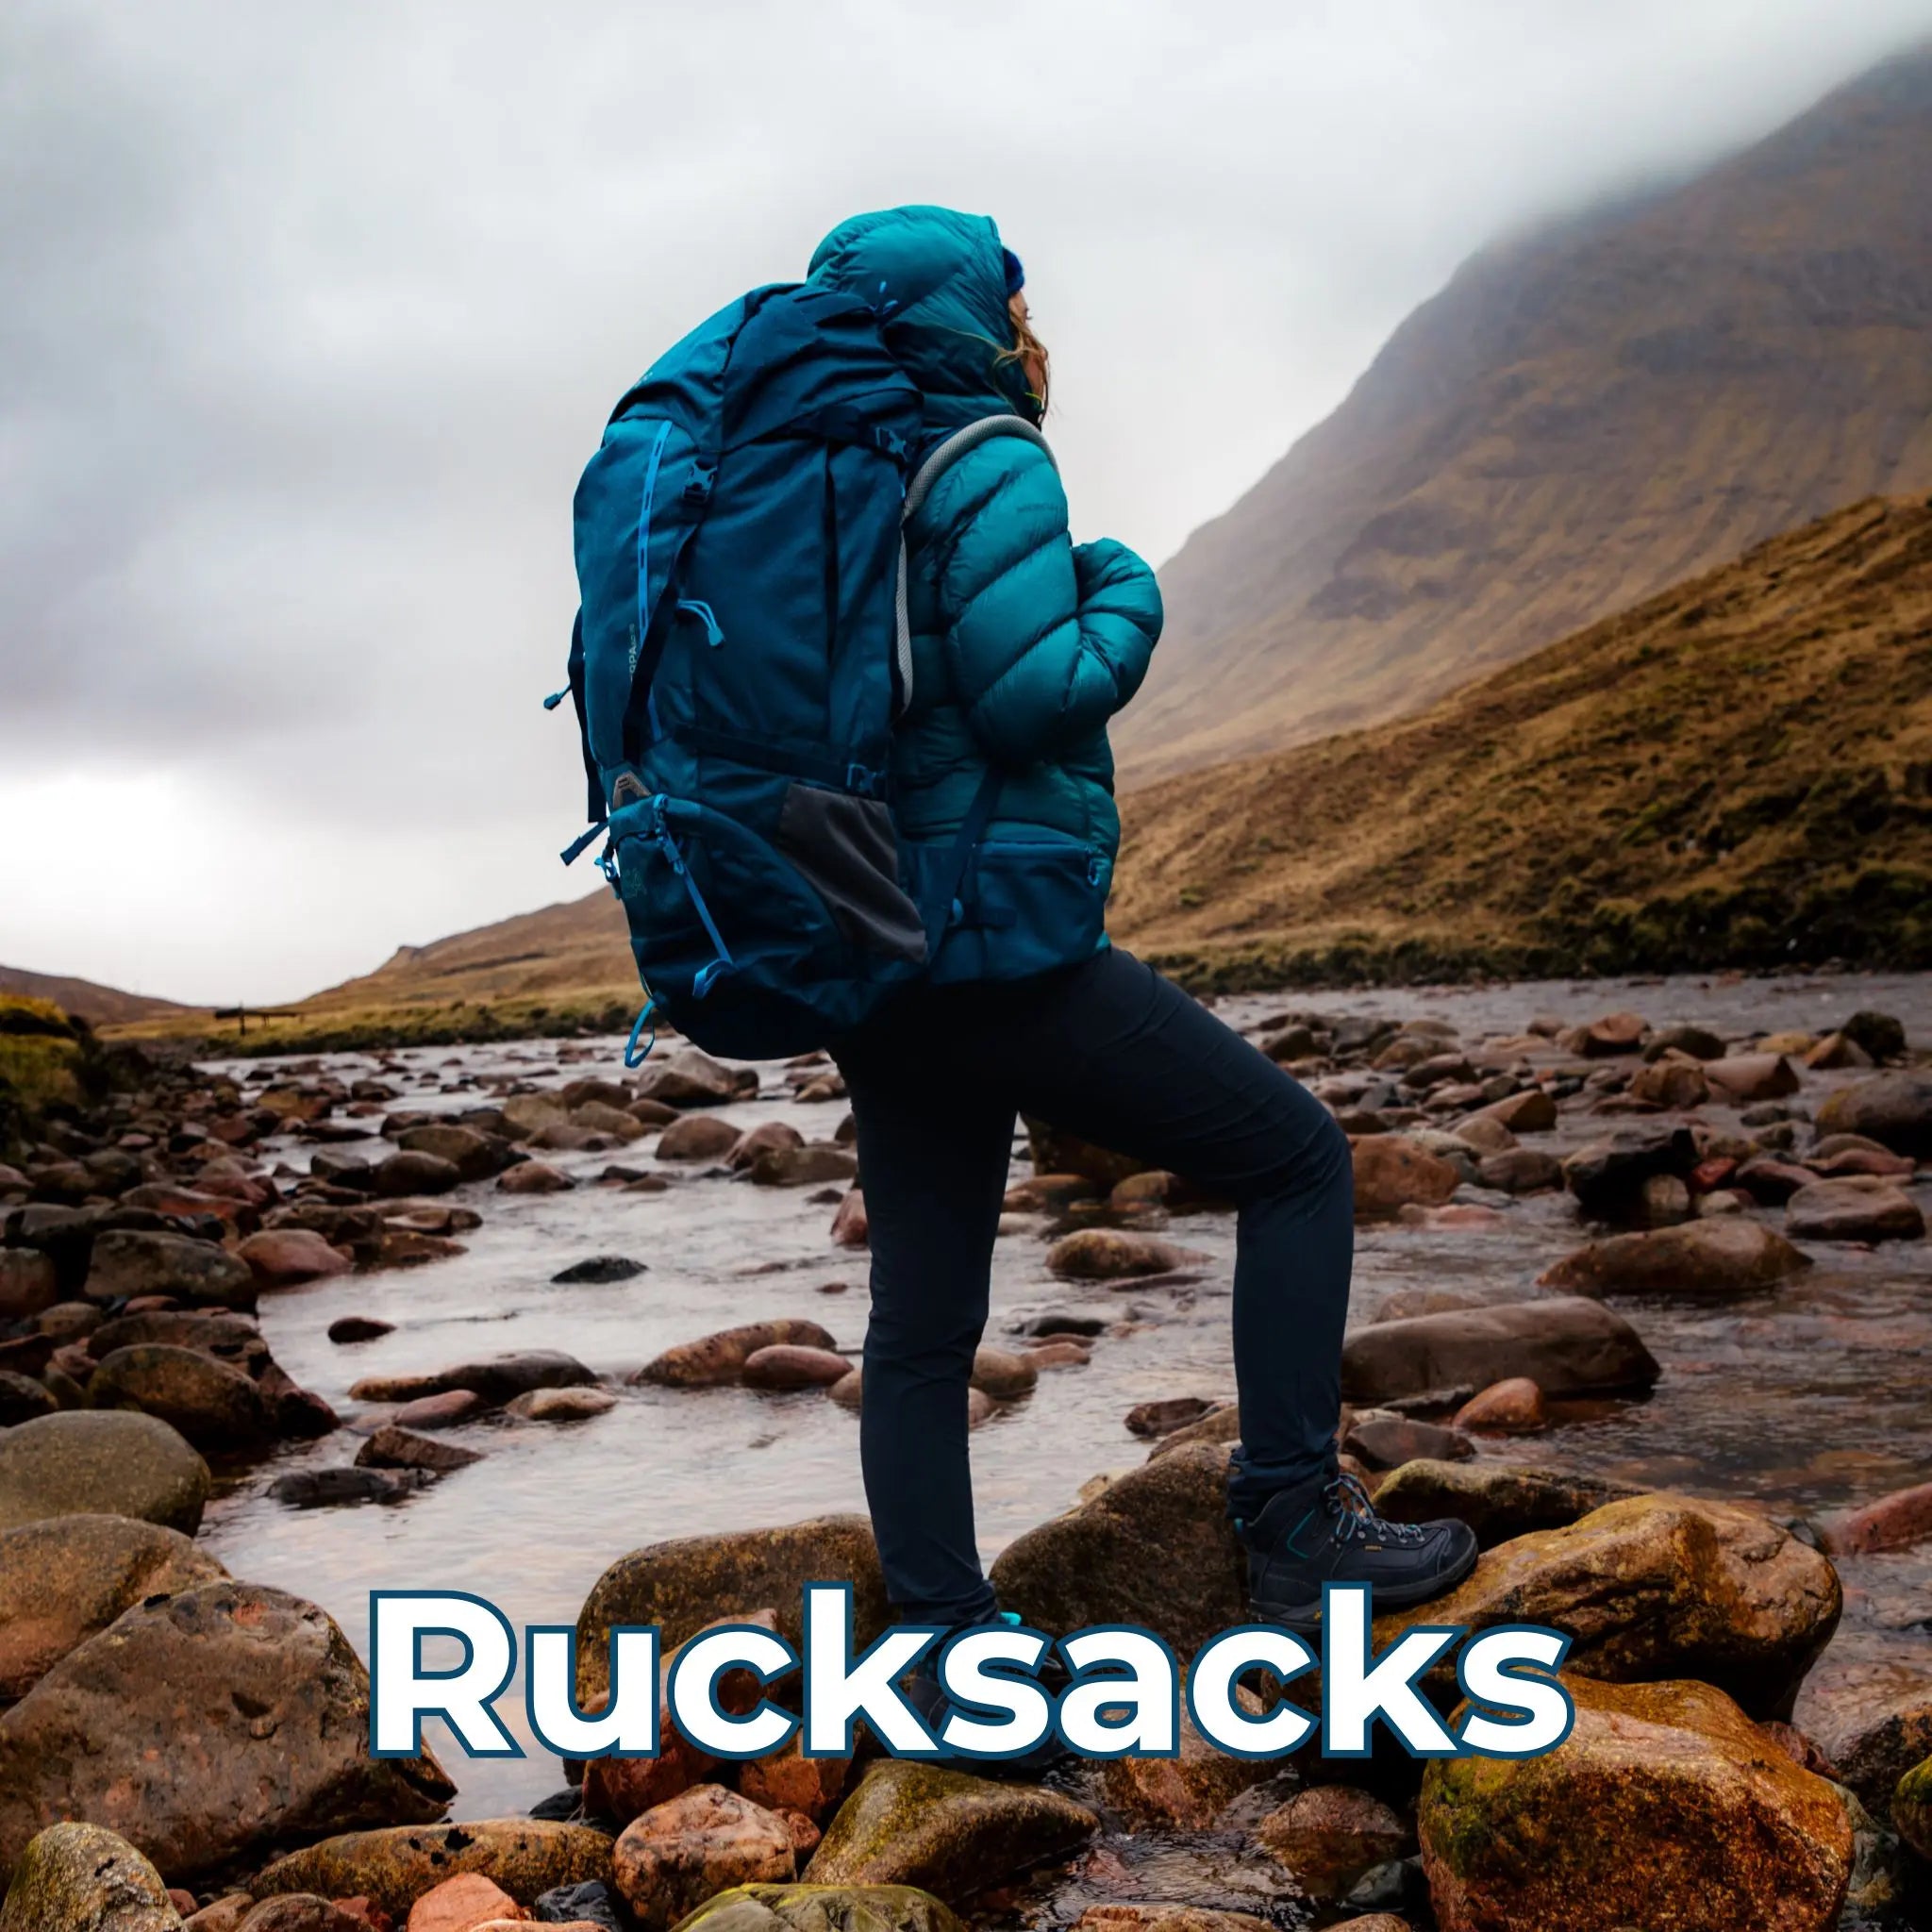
[1663,1796]
[1566,1347]
[213,1405]
[126,1263]
[1498,1500]
[79,1878]
[1703,1259]
[704,1840]
[1153,1549]
[202,1726]
[392,1868]
[1894,1110]
[1656,1587]
[943,1830]
[106,1462]
[66,1577]
[824,1908]
[717,1359]
[683,1585]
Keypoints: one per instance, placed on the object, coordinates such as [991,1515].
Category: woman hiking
[1025,645]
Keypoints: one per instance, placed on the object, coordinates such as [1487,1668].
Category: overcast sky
[311,314]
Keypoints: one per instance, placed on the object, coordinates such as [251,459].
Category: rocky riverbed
[504,1319]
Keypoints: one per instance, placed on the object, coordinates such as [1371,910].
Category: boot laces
[1356,1515]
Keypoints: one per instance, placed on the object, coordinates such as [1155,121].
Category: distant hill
[99,1005]
[1738,772]
[1582,417]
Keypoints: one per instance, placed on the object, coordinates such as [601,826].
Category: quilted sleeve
[1045,640]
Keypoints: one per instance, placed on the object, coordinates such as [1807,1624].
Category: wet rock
[788,1365]
[351,1328]
[233,1339]
[824,1908]
[599,1269]
[684,1584]
[391,1447]
[1567,1347]
[448,1410]
[599,1117]
[1662,1792]
[1153,1548]
[334,1489]
[1108,1254]
[1003,1374]
[1520,1171]
[850,1228]
[1894,1110]
[463,1904]
[212,1405]
[1172,1413]
[416,1174]
[394,1867]
[1532,1111]
[1893,1522]
[697,1136]
[28,1282]
[1749,1079]
[1911,1809]
[67,1577]
[1858,1208]
[287,1257]
[789,1781]
[1693,1042]
[803,1166]
[1772,1182]
[1188,1792]
[1675,1082]
[476,1157]
[704,1840]
[1392,1171]
[848,1391]
[949,1833]
[1515,1407]
[1059,1355]
[202,1726]
[534,1177]
[495,1380]
[1705,1260]
[1329,1835]
[1383,1441]
[1659,1586]
[1874,1747]
[126,1263]
[106,1462]
[690,1078]
[1608,1177]
[23,1400]
[1614,1033]
[718,1359]
[564,1405]
[588,1908]
[1155,1917]
[80,1878]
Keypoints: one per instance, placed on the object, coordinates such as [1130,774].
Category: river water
[1807,1398]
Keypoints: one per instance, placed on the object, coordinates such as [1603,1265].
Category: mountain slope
[1580,418]
[1737,772]
[99,1005]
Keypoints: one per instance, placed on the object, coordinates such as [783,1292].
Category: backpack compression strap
[944,906]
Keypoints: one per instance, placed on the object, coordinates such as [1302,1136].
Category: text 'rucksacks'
[739,655]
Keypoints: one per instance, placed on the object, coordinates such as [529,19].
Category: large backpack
[739,655]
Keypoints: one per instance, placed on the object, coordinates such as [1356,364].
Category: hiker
[1025,645]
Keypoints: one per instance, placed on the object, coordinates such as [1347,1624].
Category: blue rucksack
[739,655]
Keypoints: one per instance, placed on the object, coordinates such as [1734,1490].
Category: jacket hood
[938,281]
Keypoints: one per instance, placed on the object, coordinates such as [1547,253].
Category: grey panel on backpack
[847,848]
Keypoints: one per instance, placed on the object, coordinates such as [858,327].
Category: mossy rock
[1911,1809]
[822,1908]
[80,1878]
[946,1831]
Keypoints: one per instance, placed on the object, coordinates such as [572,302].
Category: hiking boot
[1328,1532]
[928,1696]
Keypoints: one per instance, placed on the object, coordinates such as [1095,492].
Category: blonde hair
[1026,347]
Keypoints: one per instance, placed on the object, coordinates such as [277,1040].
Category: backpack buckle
[699,486]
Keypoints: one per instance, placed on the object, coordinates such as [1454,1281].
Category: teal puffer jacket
[1025,645]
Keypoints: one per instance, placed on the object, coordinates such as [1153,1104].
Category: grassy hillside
[1581,418]
[99,1005]
[1738,772]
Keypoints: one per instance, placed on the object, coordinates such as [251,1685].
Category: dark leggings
[1110,1051]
